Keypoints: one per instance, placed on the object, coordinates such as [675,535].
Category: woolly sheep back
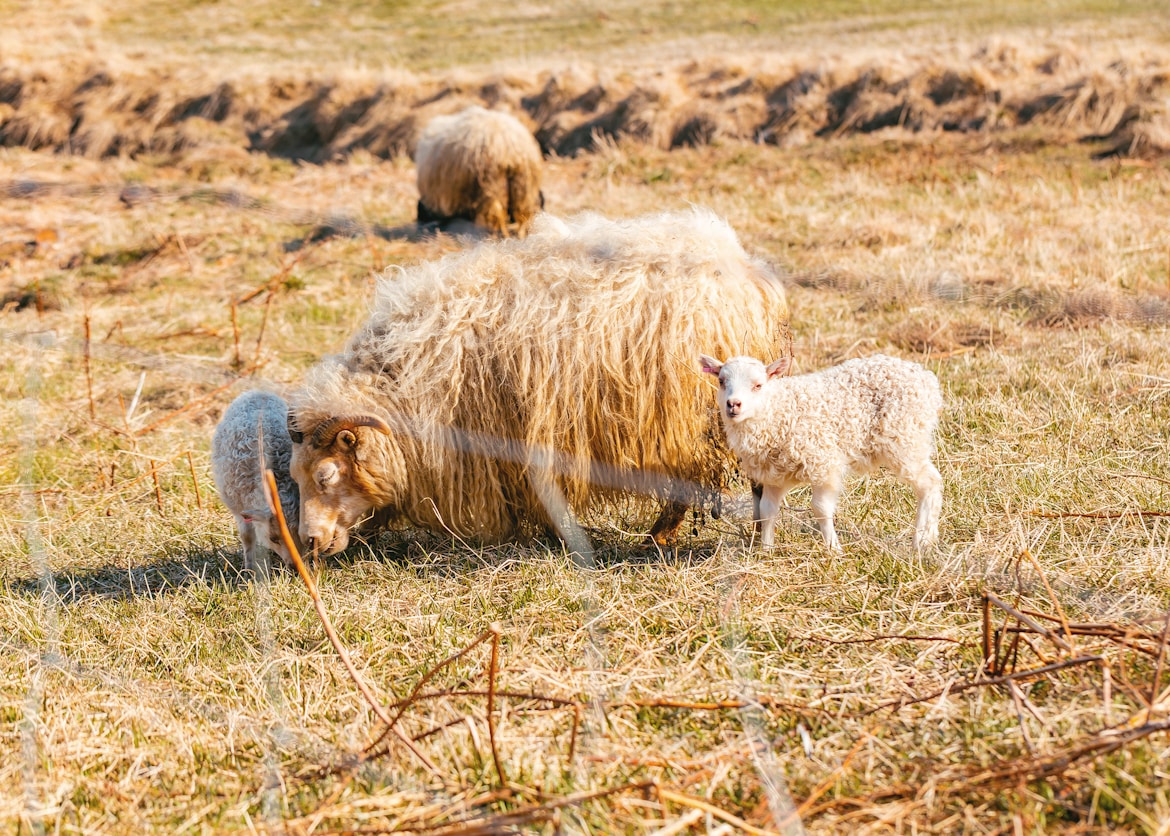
[479,165]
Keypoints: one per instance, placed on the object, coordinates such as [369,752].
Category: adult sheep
[479,165]
[484,379]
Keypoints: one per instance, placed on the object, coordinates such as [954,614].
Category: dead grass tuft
[100,111]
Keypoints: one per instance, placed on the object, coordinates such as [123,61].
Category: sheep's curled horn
[327,430]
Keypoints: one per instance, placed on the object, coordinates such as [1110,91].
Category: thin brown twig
[198,402]
[987,658]
[157,489]
[1158,667]
[880,638]
[88,371]
[195,481]
[1017,699]
[276,279]
[263,327]
[235,337]
[401,706]
[707,807]
[954,688]
[573,734]
[1023,619]
[1052,597]
[270,494]
[1103,515]
[495,824]
[491,701]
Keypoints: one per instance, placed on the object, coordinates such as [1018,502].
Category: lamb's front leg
[824,505]
[771,499]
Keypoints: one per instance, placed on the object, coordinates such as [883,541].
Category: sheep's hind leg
[664,532]
[824,505]
[927,484]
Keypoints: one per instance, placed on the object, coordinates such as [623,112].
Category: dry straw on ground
[147,685]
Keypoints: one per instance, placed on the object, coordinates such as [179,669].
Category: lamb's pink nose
[733,406]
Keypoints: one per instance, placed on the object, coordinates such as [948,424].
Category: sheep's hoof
[664,532]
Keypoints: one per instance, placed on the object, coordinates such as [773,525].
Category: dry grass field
[152,268]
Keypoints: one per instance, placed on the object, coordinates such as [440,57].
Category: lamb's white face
[741,382]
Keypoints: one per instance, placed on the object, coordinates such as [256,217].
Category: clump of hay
[578,342]
[102,111]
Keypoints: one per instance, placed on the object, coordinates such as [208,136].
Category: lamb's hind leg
[248,542]
[824,506]
[927,484]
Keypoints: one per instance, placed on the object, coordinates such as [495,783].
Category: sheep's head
[741,379]
[340,468]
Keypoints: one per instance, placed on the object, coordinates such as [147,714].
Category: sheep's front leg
[824,505]
[771,498]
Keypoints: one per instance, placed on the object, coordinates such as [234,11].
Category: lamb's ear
[709,364]
[779,368]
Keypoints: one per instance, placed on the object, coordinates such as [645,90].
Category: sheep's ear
[709,364]
[346,440]
[296,435]
[780,367]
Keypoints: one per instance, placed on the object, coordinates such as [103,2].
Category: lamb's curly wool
[575,340]
[479,165]
[815,428]
[236,469]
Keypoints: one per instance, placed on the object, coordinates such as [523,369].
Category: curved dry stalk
[270,495]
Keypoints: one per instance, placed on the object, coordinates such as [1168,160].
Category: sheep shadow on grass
[445,555]
[163,576]
[341,227]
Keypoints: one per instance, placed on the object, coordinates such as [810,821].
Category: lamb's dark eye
[755,387]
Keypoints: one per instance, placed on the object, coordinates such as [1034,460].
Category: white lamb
[237,469]
[815,428]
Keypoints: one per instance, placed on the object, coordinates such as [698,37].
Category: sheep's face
[741,384]
[333,468]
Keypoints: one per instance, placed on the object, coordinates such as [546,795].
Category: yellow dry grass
[145,685]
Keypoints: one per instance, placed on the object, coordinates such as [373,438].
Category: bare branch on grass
[271,494]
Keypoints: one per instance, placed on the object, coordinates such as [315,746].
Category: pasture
[147,684]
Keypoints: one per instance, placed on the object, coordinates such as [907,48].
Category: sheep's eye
[756,387]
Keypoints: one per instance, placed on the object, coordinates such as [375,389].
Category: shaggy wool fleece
[563,359]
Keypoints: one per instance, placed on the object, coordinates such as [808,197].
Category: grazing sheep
[485,378]
[814,428]
[237,469]
[479,165]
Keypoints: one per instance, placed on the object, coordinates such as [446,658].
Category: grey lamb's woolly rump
[479,165]
[815,428]
[568,351]
[237,470]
